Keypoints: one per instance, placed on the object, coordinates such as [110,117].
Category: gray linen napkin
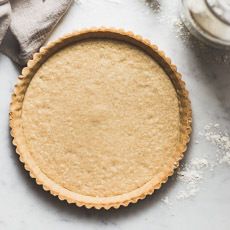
[26,24]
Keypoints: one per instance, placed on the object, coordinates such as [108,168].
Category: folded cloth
[26,24]
[5,11]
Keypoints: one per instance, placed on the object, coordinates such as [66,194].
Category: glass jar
[208,20]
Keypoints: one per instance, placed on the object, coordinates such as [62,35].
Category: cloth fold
[26,24]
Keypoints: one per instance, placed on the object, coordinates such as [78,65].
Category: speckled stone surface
[206,72]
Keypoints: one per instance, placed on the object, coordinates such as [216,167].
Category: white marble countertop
[206,71]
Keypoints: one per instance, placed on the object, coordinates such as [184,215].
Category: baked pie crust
[100,118]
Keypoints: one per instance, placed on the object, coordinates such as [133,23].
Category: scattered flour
[193,172]
[225,159]
[199,163]
[181,31]
[221,140]
[185,194]
[166,201]
[191,175]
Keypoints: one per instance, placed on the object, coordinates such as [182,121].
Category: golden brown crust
[57,190]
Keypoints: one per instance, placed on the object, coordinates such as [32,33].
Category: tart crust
[56,189]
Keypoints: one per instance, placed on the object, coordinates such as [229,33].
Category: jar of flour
[208,20]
